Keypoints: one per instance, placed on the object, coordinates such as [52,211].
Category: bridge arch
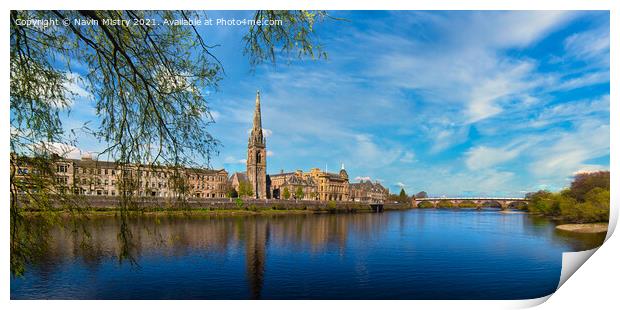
[473,202]
[518,204]
[492,204]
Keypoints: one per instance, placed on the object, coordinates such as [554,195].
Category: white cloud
[363,178]
[570,151]
[232,160]
[574,111]
[589,45]
[400,184]
[586,79]
[590,169]
[408,157]
[61,149]
[365,152]
[215,115]
[75,87]
[482,157]
[270,153]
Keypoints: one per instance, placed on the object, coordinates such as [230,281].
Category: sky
[458,103]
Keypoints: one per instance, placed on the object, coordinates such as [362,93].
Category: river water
[413,254]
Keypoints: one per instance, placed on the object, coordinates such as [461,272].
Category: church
[313,185]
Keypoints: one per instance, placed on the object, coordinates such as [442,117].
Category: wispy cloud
[446,102]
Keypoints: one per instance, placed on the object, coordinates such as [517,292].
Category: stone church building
[313,185]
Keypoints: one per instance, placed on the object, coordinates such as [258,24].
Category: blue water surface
[414,254]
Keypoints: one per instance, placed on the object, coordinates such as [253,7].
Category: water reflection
[302,256]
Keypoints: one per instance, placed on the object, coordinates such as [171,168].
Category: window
[61,168]
[258,157]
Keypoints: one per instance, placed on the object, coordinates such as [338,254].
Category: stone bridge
[503,202]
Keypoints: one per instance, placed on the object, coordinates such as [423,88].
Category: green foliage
[426,204]
[295,35]
[573,205]
[299,193]
[543,202]
[445,204]
[331,206]
[286,194]
[239,203]
[313,195]
[467,204]
[245,189]
[231,192]
[403,195]
[585,182]
[146,84]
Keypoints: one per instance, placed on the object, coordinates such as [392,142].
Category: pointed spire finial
[342,166]
[257,126]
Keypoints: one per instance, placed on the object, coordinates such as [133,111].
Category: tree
[402,197]
[313,195]
[467,204]
[146,84]
[544,202]
[286,194]
[421,194]
[445,204]
[299,193]
[245,189]
[426,204]
[231,192]
[585,182]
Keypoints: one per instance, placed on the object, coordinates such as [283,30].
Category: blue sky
[453,103]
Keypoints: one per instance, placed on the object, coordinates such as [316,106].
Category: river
[413,254]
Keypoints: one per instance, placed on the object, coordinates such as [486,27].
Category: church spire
[257,120]
[256,136]
[256,166]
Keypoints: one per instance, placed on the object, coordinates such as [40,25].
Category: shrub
[593,208]
[331,206]
[467,204]
[445,204]
[426,204]
[583,183]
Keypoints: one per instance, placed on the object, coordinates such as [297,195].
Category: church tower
[257,155]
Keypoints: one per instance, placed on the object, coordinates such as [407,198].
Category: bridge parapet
[472,198]
[504,202]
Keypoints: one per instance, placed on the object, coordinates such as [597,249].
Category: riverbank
[227,207]
[590,228]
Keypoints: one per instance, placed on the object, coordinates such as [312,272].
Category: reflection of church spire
[255,244]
